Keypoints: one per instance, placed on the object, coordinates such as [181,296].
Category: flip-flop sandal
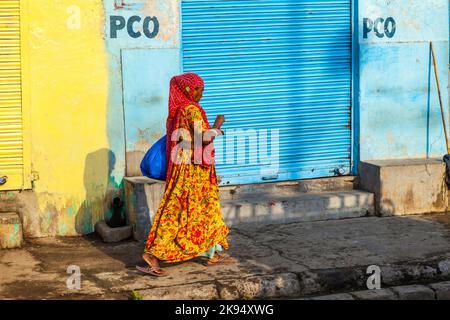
[220,260]
[157,272]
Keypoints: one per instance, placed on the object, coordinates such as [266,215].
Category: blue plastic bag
[154,164]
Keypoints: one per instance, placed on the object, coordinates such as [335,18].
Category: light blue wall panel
[118,37]
[146,78]
[399,106]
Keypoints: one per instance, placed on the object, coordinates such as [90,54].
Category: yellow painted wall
[73,109]
[68,92]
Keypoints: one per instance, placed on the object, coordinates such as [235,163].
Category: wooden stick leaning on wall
[440,96]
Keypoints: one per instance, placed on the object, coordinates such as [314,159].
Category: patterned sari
[188,222]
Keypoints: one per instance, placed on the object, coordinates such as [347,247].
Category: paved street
[273,261]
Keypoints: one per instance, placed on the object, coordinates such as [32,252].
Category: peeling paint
[168,16]
[10,236]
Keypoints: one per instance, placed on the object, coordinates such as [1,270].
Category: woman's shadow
[100,188]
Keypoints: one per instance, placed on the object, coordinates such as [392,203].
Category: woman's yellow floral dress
[189,221]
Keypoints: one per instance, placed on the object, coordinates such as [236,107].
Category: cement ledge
[354,278]
[434,291]
[305,284]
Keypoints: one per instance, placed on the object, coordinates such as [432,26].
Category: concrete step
[9,201]
[10,230]
[433,291]
[406,186]
[298,207]
[260,203]
[290,188]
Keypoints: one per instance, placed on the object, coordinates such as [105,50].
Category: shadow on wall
[100,188]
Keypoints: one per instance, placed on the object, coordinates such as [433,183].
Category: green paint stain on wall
[15,234]
[62,229]
[116,184]
[70,211]
[108,214]
[10,235]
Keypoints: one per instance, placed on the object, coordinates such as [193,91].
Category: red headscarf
[182,89]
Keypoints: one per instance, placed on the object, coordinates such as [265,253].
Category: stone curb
[283,285]
[196,291]
[317,282]
[256,287]
[442,290]
[314,282]
[262,287]
[436,291]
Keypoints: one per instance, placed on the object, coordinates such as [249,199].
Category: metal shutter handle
[3,180]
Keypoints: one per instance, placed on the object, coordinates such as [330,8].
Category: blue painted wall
[132,120]
[396,106]
[146,77]
[399,106]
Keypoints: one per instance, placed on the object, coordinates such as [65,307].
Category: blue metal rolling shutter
[276,64]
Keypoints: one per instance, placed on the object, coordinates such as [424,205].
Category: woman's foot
[216,259]
[153,266]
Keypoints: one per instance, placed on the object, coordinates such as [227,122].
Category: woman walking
[188,223]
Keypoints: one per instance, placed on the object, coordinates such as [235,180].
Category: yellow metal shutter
[11,124]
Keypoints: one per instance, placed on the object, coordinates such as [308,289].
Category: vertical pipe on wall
[355,88]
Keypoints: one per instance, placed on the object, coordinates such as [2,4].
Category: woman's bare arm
[220,119]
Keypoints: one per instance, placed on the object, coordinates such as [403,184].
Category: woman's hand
[220,119]
[209,139]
